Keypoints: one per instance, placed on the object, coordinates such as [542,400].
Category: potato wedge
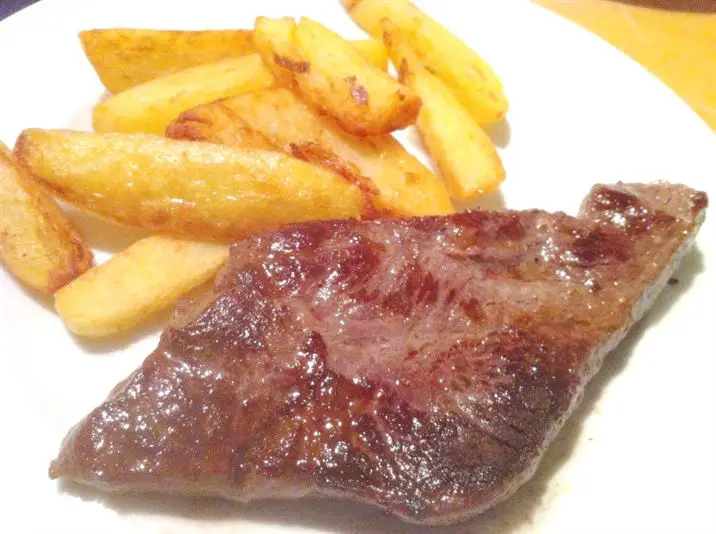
[223,127]
[374,52]
[150,107]
[406,186]
[183,188]
[38,243]
[463,71]
[333,78]
[145,278]
[123,58]
[274,42]
[464,153]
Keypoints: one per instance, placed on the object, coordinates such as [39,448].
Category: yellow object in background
[675,39]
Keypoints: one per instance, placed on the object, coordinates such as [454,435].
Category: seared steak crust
[421,365]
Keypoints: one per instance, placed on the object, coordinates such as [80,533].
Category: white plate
[638,457]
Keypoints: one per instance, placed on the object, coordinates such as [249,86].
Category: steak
[421,365]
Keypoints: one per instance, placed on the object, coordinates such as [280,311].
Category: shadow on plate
[691,6]
[104,235]
[41,299]
[149,328]
[494,201]
[113,343]
[499,132]
[346,517]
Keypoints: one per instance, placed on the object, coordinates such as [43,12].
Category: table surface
[675,39]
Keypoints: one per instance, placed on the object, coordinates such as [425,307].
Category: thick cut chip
[38,243]
[466,73]
[123,58]
[183,188]
[277,116]
[333,78]
[464,153]
[150,107]
[372,51]
[133,285]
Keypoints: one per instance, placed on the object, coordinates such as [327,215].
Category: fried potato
[328,72]
[136,283]
[406,187]
[150,107]
[275,43]
[38,243]
[222,126]
[374,52]
[183,188]
[124,58]
[471,78]
[464,153]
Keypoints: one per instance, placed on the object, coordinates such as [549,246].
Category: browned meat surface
[420,365]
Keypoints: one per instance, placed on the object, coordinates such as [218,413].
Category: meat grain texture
[420,365]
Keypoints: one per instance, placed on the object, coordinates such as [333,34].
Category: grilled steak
[421,365]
